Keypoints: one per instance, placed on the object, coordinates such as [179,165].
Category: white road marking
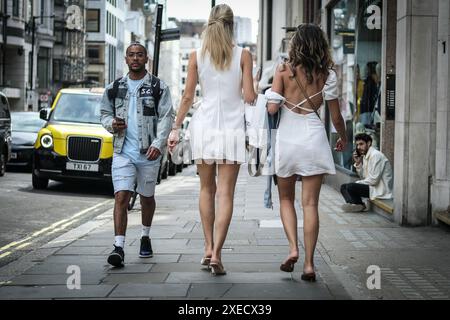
[57,226]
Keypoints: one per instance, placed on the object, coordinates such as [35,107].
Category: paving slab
[151,277]
[50,292]
[149,290]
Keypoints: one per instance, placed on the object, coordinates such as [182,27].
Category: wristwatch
[175,127]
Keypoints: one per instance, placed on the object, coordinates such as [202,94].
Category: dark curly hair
[364,137]
[309,48]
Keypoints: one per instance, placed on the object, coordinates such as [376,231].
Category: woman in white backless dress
[217,128]
[302,148]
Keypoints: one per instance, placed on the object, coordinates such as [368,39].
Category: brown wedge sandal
[288,265]
[311,276]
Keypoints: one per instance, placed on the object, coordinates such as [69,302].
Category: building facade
[14,52]
[27,44]
[47,45]
[191,31]
[69,53]
[105,49]
[242,30]
[393,69]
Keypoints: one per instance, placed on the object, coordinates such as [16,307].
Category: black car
[5,133]
[25,127]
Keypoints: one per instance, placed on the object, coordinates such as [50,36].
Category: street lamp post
[33,40]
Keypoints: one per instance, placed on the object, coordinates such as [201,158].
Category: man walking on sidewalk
[376,173]
[138,110]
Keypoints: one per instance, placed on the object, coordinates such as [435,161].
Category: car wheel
[2,164]
[38,183]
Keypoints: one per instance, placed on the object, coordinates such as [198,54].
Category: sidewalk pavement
[414,262]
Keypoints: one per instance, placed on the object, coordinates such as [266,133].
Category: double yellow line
[55,227]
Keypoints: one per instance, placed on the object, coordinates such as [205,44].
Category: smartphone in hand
[119,124]
[357,156]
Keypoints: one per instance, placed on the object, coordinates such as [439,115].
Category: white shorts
[125,172]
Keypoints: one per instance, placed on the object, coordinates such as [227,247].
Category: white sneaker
[351,207]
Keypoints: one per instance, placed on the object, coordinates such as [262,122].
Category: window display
[356,43]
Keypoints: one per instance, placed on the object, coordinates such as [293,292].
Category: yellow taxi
[72,145]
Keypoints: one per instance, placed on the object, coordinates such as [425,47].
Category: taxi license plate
[82,166]
[13,155]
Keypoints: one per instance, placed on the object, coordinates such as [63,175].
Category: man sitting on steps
[376,173]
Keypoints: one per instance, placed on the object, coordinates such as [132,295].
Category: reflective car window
[83,108]
[26,122]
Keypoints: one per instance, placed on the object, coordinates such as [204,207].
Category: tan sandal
[205,262]
[217,268]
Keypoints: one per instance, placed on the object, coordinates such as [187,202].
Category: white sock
[145,231]
[119,241]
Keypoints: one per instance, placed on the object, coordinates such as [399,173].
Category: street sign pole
[157,39]
[161,36]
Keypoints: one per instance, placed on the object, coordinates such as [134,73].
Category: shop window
[368,62]
[355,40]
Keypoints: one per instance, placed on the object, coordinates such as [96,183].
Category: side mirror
[44,114]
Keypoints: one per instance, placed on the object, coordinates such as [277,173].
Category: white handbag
[256,122]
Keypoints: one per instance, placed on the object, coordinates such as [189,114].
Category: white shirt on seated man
[375,172]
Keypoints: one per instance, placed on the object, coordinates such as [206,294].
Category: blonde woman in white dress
[217,128]
[300,88]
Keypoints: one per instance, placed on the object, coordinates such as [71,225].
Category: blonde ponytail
[218,37]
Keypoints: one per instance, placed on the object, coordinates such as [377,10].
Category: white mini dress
[301,145]
[217,128]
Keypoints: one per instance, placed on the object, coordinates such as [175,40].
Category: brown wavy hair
[309,48]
